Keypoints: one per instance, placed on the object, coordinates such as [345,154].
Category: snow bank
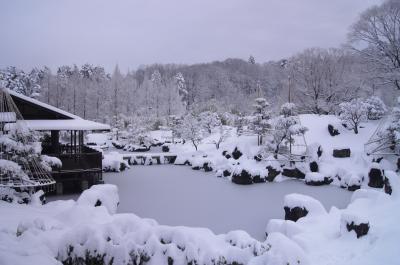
[76,232]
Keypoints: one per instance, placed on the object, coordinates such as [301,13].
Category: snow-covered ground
[334,232]
[177,195]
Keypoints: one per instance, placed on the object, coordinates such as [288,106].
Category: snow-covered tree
[25,83]
[376,109]
[223,133]
[392,130]
[191,129]
[181,86]
[239,124]
[21,154]
[209,120]
[288,109]
[284,127]
[87,72]
[252,60]
[175,123]
[260,124]
[156,81]
[353,113]
[320,79]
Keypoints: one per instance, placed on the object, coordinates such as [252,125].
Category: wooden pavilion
[81,165]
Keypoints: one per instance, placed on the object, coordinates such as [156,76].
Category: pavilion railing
[82,158]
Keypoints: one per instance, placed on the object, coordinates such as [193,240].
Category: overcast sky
[133,33]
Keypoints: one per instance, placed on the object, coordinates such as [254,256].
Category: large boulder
[226,173]
[376,176]
[293,173]
[317,179]
[398,164]
[117,145]
[356,223]
[388,188]
[236,154]
[258,158]
[243,177]
[295,213]
[207,167]
[272,173]
[341,153]
[314,166]
[297,206]
[165,148]
[259,179]
[332,130]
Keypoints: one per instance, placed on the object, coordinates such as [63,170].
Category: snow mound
[313,206]
[286,227]
[114,162]
[101,195]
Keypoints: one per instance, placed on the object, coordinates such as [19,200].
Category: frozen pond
[178,195]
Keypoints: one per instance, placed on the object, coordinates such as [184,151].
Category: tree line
[317,80]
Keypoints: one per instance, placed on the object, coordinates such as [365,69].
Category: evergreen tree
[261,116]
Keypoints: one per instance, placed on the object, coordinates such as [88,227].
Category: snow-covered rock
[297,206]
[114,162]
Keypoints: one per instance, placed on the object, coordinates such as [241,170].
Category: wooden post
[70,147]
[75,141]
[55,141]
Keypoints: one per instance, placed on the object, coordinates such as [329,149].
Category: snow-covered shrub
[376,109]
[114,162]
[12,196]
[101,195]
[353,113]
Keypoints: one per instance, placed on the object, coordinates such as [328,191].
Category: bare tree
[375,36]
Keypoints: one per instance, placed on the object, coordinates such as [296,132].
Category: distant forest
[317,80]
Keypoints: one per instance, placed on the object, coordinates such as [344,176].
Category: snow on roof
[74,123]
[44,105]
[63,125]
